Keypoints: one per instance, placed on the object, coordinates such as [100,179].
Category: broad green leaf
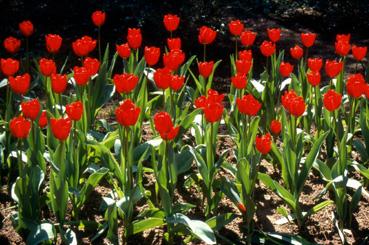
[41,233]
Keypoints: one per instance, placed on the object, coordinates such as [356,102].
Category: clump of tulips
[61,146]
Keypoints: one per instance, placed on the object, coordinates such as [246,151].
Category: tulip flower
[12,44]
[243,66]
[81,75]
[74,110]
[174,59]
[308,39]
[296,52]
[61,128]
[176,82]
[92,65]
[235,27]
[42,121]
[164,125]
[9,66]
[171,22]
[31,109]
[20,127]
[245,55]
[275,127]
[343,38]
[98,18]
[285,69]
[59,83]
[47,67]
[162,78]
[174,43]
[83,46]
[333,68]
[152,55]
[248,105]
[342,48]
[248,38]
[332,100]
[211,105]
[20,84]
[134,38]
[263,143]
[313,78]
[26,28]
[239,81]
[267,48]
[205,68]
[293,103]
[315,64]
[355,85]
[206,35]
[274,34]
[123,50]
[127,113]
[125,83]
[359,53]
[53,43]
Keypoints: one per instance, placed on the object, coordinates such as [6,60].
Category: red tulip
[296,52]
[285,69]
[83,46]
[355,85]
[162,78]
[313,78]
[315,64]
[243,66]
[59,83]
[211,105]
[293,103]
[332,100]
[12,44]
[26,28]
[53,43]
[42,121]
[343,38]
[275,127]
[213,112]
[92,65]
[359,53]
[274,34]
[152,55]
[248,38]
[123,50]
[74,110]
[342,48]
[205,68]
[98,18]
[31,109]
[263,143]
[9,66]
[125,83]
[47,67]
[134,38]
[245,55]
[248,105]
[171,22]
[239,81]
[81,75]
[176,82]
[20,127]
[61,128]
[20,84]
[206,35]
[127,113]
[366,91]
[267,48]
[242,208]
[333,68]
[308,39]
[174,59]
[164,125]
[236,27]
[174,43]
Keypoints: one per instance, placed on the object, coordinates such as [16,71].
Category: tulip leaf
[218,222]
[143,225]
[41,233]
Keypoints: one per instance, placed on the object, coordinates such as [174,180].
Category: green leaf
[218,222]
[319,207]
[288,239]
[197,227]
[70,237]
[41,233]
[146,224]
[183,161]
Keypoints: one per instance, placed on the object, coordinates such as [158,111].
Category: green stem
[99,37]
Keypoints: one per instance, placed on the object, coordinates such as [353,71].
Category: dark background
[71,19]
